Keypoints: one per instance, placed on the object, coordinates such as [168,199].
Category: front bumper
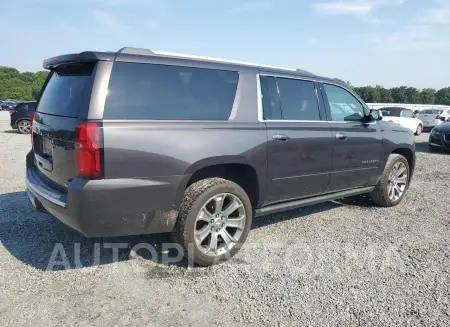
[110,207]
[440,141]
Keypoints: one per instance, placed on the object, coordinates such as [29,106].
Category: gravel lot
[340,263]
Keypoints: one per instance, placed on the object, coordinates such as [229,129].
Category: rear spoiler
[87,56]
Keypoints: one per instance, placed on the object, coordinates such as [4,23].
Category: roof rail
[136,51]
[146,52]
[302,71]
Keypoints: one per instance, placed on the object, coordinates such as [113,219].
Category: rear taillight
[438,117]
[31,127]
[88,150]
[390,121]
[12,112]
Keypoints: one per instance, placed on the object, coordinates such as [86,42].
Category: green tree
[413,95]
[443,96]
[428,96]
[385,94]
[20,86]
[399,94]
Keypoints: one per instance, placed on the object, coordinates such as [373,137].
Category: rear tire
[392,186]
[419,129]
[205,216]
[24,126]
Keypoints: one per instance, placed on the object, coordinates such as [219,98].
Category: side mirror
[376,115]
[442,118]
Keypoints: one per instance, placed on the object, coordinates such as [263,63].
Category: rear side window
[21,106]
[298,99]
[68,90]
[159,92]
[390,112]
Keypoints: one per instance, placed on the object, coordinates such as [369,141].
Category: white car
[433,117]
[404,117]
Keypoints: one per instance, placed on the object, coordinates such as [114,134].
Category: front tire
[24,126]
[419,129]
[394,182]
[214,219]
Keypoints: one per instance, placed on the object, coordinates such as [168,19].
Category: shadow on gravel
[31,237]
[34,238]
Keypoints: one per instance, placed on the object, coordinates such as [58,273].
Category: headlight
[435,132]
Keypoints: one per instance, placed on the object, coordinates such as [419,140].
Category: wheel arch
[232,168]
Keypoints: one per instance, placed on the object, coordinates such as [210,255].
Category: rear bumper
[110,207]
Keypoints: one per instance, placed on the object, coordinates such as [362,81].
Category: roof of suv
[140,55]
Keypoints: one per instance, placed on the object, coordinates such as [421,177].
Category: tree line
[26,86]
[403,94]
[20,86]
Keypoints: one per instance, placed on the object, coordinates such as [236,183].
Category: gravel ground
[340,263]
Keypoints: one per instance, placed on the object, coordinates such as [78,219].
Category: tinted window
[387,112]
[343,105]
[271,103]
[67,91]
[406,114]
[32,106]
[298,99]
[147,91]
[21,106]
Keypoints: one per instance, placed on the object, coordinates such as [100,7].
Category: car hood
[444,128]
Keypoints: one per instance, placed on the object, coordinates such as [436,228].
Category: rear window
[68,90]
[148,91]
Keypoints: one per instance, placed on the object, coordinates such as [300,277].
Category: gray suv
[139,142]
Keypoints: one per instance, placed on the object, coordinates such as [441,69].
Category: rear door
[299,138]
[357,146]
[63,104]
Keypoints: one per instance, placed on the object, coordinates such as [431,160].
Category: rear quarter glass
[163,92]
[68,90]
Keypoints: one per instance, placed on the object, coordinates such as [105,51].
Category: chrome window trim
[260,104]
[237,98]
[259,95]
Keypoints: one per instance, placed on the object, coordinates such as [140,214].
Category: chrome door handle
[281,137]
[341,136]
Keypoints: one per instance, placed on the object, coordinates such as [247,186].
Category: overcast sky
[386,42]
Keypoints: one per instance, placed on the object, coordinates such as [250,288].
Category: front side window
[343,105]
[160,92]
[298,99]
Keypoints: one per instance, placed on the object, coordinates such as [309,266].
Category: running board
[310,201]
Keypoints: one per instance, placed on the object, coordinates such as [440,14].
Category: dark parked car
[21,116]
[7,105]
[440,137]
[139,142]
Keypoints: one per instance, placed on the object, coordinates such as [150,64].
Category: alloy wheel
[398,179]
[24,126]
[220,224]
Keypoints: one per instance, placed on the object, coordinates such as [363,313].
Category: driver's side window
[343,105]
